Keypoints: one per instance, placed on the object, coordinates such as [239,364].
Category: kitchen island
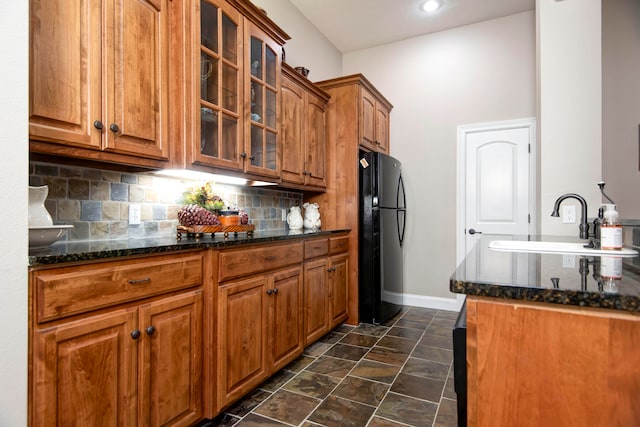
[551,338]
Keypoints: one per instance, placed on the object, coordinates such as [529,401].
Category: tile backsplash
[96,202]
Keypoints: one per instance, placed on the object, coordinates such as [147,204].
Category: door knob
[472,231]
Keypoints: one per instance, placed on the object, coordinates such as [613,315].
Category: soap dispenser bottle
[611,229]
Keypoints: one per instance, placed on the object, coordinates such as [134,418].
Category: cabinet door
[217,86]
[65,72]
[315,142]
[291,136]
[242,337]
[287,317]
[382,128]
[262,86]
[338,287]
[316,300]
[170,385]
[136,77]
[84,372]
[367,120]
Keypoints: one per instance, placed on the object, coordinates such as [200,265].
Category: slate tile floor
[398,374]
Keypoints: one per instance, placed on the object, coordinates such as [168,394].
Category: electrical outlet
[569,214]
[134,214]
[568,261]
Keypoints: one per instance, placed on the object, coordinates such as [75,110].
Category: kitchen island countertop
[62,252]
[566,279]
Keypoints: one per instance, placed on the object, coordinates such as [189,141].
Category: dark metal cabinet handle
[139,281]
[251,157]
[270,258]
[472,231]
[275,290]
[243,155]
[98,124]
[150,330]
[135,334]
[269,291]
[114,127]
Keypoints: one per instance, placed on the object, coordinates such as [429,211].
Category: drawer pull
[135,334]
[150,330]
[139,281]
[270,258]
[269,291]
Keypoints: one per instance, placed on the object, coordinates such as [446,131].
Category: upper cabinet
[374,123]
[303,132]
[98,78]
[230,69]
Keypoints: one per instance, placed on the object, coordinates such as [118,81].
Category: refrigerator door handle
[399,192]
[404,224]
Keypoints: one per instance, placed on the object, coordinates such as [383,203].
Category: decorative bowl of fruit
[203,212]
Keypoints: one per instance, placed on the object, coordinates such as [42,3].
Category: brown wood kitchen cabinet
[353,110]
[550,361]
[303,132]
[99,89]
[117,342]
[326,278]
[259,316]
[227,64]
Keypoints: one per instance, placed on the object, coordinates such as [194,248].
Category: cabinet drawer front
[243,262]
[338,244]
[65,291]
[315,248]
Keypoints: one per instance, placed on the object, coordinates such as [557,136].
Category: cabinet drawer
[338,244]
[243,262]
[315,248]
[61,292]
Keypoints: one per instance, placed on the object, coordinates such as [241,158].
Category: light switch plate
[569,214]
[568,261]
[134,214]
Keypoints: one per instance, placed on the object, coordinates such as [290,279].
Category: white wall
[621,103]
[477,73]
[570,103]
[307,47]
[14,51]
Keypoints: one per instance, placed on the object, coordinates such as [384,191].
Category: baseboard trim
[422,301]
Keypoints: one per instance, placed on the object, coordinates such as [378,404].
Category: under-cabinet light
[201,176]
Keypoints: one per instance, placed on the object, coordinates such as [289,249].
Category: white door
[495,188]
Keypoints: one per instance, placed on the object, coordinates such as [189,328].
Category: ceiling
[359,24]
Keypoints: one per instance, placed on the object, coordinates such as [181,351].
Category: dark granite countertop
[573,280]
[61,252]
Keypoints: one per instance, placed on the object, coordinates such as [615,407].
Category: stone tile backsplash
[96,202]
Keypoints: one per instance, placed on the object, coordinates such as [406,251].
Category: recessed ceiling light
[431,5]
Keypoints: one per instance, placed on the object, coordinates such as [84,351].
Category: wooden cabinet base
[543,365]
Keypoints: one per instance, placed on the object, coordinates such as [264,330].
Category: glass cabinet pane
[256,58]
[229,85]
[270,110]
[229,132]
[256,102]
[208,132]
[271,151]
[256,146]
[270,61]
[229,39]
[209,25]
[208,78]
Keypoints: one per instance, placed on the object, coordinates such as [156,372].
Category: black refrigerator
[381,233]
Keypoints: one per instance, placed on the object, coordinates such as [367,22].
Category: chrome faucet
[584,225]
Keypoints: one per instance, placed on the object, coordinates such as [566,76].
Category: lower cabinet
[138,363]
[259,319]
[325,286]
[108,368]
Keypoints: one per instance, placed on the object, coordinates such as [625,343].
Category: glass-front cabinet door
[219,138]
[263,80]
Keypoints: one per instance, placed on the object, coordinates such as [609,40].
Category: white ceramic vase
[38,214]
